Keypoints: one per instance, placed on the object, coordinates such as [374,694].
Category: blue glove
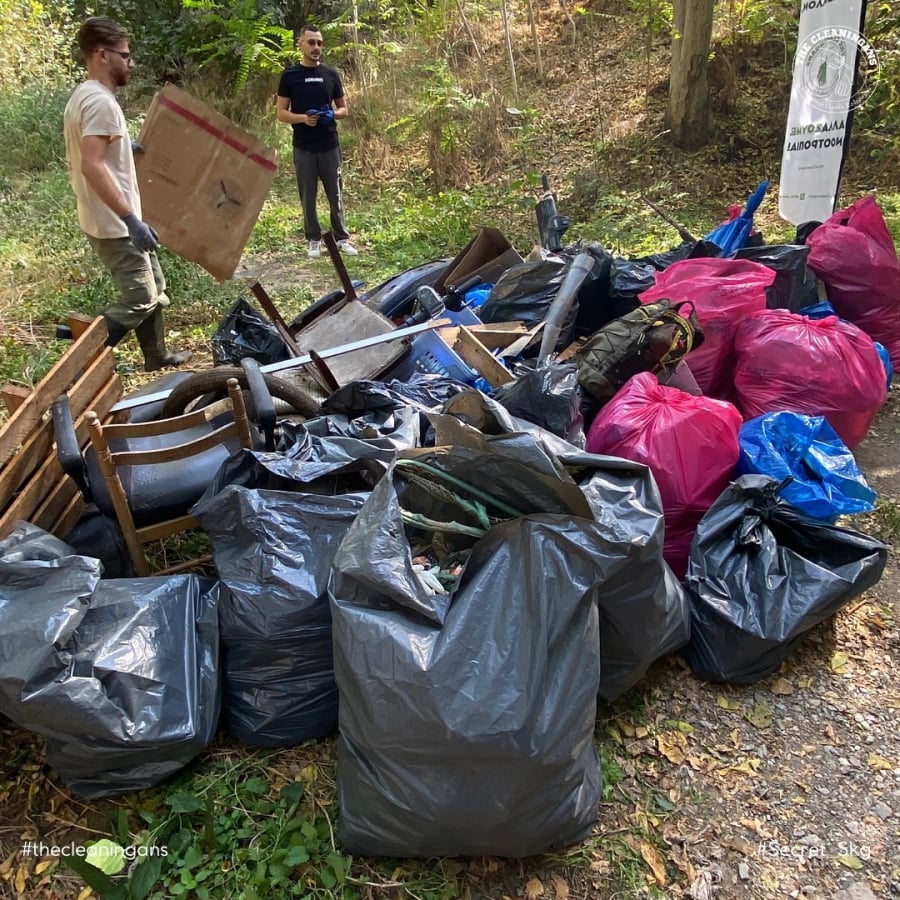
[137,147]
[142,235]
[325,114]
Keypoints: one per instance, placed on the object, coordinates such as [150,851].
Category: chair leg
[117,494]
[240,413]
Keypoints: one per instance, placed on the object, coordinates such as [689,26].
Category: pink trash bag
[724,291]
[689,443]
[818,367]
[854,255]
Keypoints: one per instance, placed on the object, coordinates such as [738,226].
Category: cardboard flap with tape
[202,179]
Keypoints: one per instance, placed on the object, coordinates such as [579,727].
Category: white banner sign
[822,97]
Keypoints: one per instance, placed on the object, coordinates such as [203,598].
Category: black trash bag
[331,464]
[399,428]
[761,575]
[795,284]
[466,723]
[594,305]
[423,392]
[629,277]
[273,551]
[549,397]
[244,333]
[644,612]
[95,534]
[119,676]
[525,292]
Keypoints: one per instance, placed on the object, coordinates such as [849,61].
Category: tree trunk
[688,114]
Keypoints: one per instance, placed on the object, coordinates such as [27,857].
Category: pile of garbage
[453,562]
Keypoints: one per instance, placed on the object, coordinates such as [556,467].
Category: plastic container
[431,355]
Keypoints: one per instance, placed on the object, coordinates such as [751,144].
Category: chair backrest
[102,437]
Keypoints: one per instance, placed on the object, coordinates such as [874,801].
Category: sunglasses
[123,53]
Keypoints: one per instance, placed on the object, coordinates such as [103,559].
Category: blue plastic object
[823,308]
[477,295]
[827,482]
[820,310]
[733,235]
[431,355]
[325,114]
[886,362]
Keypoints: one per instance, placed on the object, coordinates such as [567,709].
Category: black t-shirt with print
[308,88]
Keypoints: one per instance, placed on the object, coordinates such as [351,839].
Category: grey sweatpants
[312,168]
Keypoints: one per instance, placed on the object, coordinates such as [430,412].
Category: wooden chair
[110,462]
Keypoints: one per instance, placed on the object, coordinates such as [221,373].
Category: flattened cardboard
[489,254]
[202,179]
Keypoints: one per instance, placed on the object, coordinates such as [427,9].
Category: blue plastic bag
[827,482]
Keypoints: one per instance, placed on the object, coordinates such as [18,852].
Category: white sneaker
[348,248]
[315,249]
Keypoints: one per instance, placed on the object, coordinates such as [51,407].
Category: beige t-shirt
[92,110]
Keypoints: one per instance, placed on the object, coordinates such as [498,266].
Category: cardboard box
[489,254]
[202,179]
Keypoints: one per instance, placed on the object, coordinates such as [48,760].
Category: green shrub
[31,138]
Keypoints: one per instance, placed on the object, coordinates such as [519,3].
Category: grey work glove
[137,147]
[142,235]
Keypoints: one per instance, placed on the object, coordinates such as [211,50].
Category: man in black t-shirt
[311,99]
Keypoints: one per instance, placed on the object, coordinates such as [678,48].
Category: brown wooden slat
[37,445]
[480,358]
[164,529]
[101,405]
[56,382]
[80,323]
[33,494]
[178,451]
[14,395]
[69,516]
[204,560]
[54,503]
[99,378]
[23,465]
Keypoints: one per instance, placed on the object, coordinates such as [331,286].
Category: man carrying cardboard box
[101,168]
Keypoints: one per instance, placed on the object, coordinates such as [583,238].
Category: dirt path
[786,788]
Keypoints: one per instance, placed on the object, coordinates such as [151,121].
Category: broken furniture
[33,485]
[147,475]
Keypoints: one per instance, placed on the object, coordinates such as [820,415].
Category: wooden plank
[32,495]
[69,517]
[56,382]
[522,343]
[499,334]
[475,354]
[101,405]
[23,465]
[571,350]
[80,323]
[14,395]
[163,529]
[55,501]
[99,379]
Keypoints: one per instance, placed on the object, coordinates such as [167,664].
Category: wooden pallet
[33,485]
